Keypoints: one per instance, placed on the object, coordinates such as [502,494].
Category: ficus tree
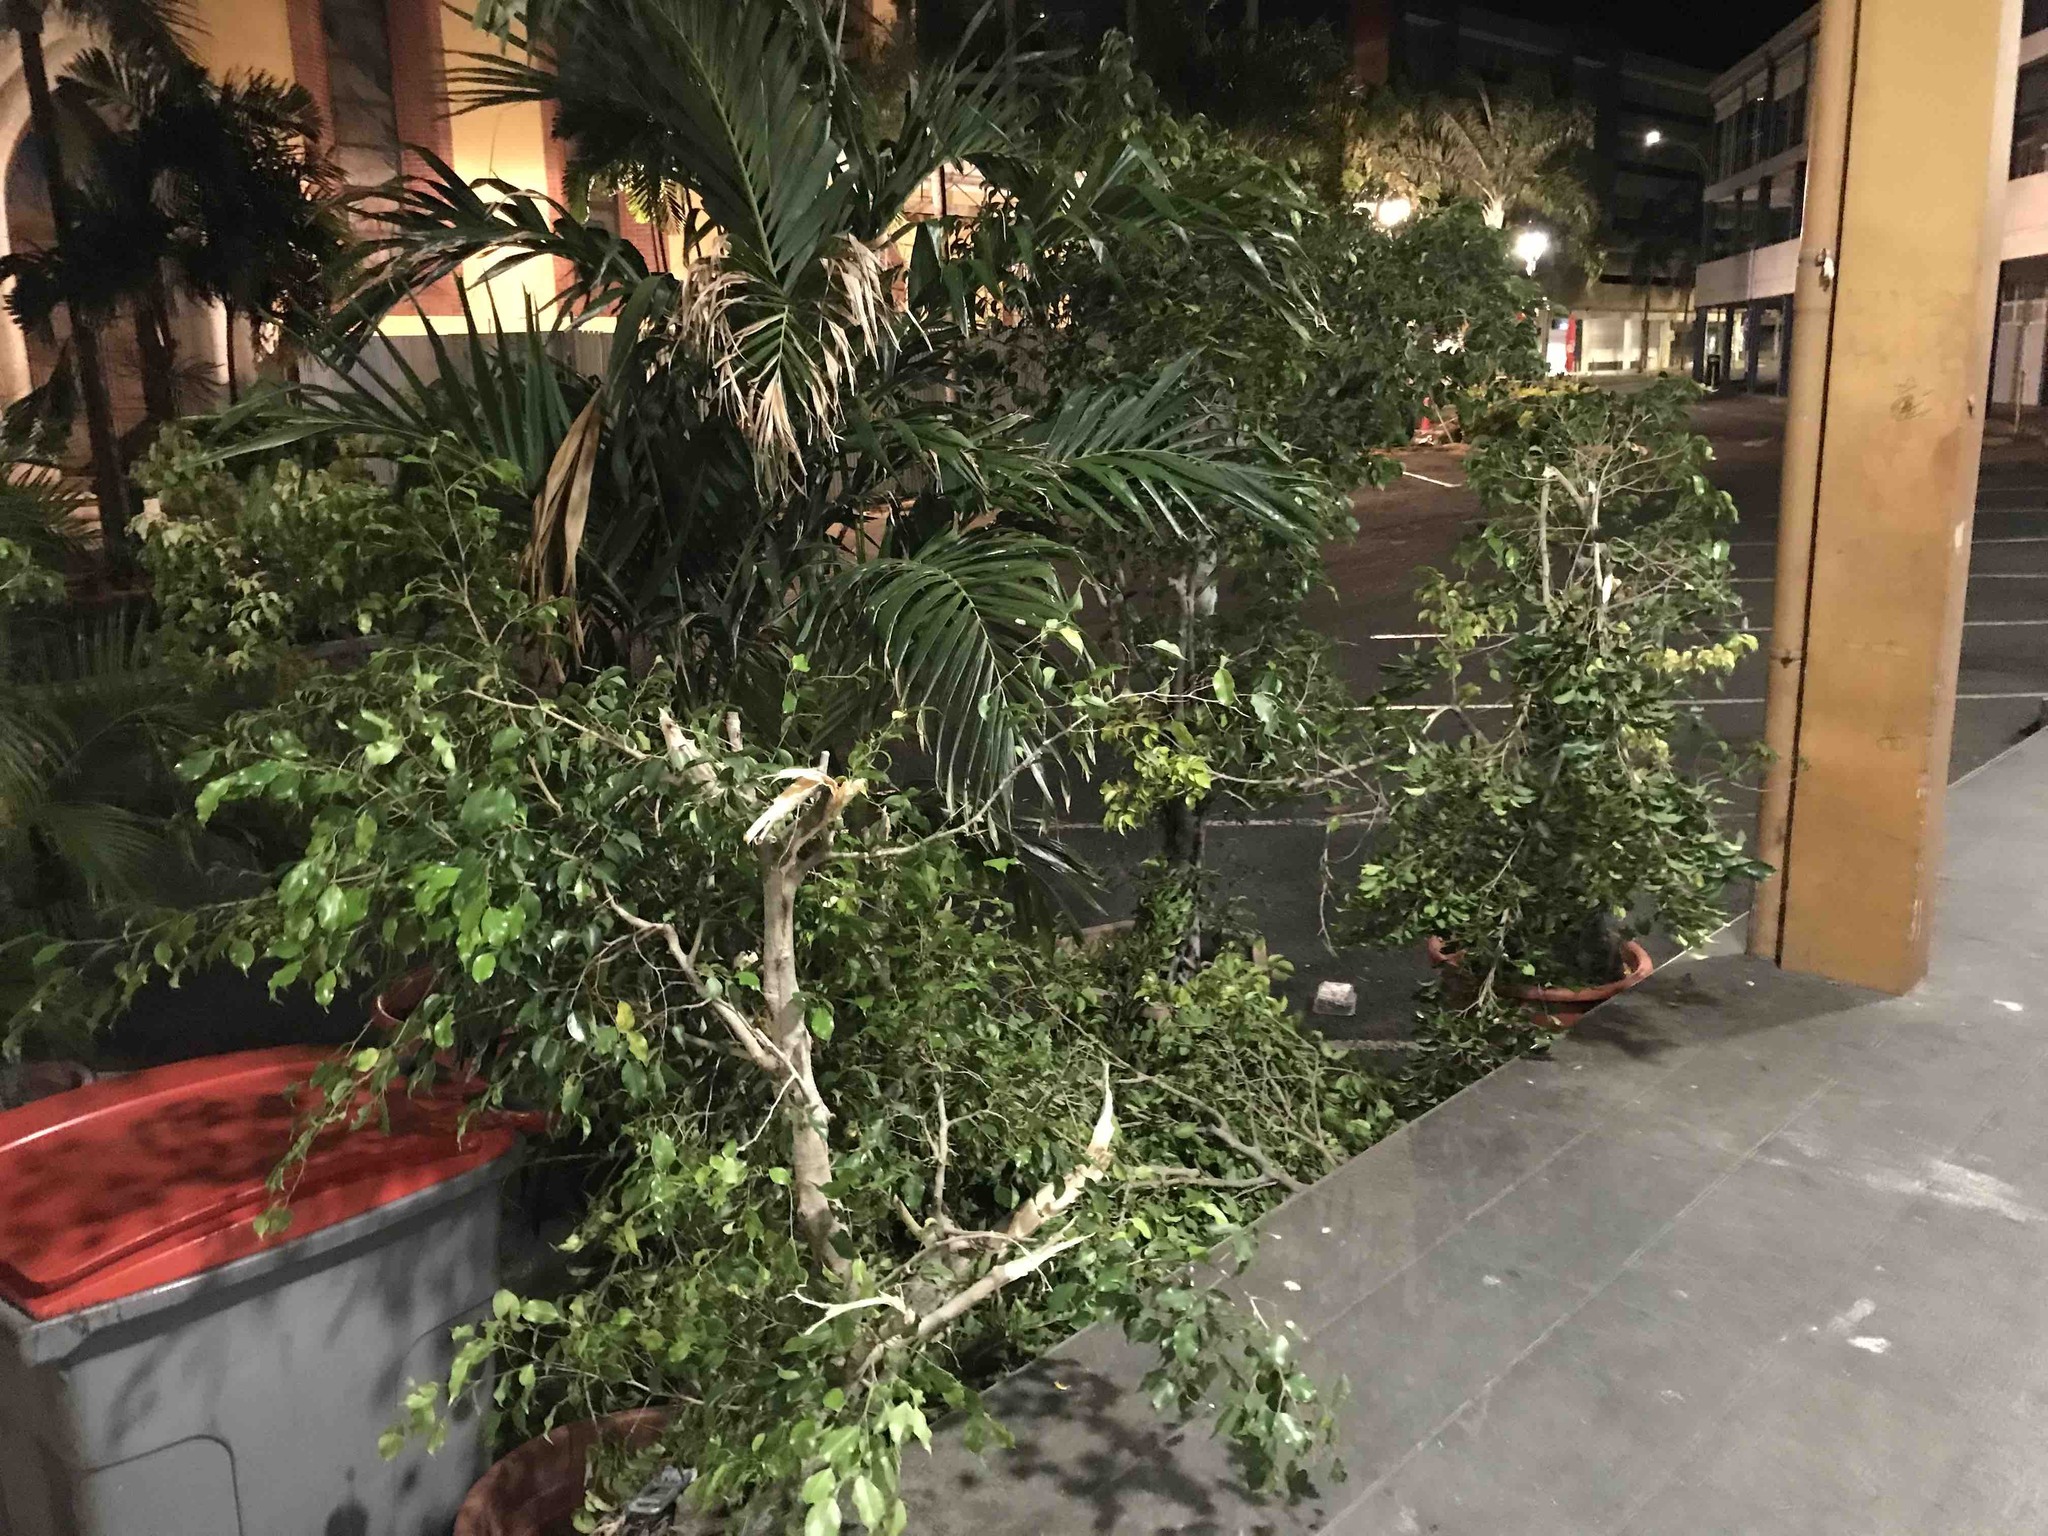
[1558,793]
[1316,341]
[858,1138]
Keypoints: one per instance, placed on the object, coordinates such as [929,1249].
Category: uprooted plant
[1313,338]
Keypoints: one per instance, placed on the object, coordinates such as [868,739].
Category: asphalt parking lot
[1276,861]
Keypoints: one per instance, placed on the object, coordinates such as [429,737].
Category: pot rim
[1636,959]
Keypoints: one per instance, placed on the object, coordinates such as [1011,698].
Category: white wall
[1760,274]
[2026,218]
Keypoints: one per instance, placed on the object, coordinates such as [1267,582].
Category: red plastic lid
[134,1182]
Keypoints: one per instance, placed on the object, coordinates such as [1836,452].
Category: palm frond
[435,226]
[957,625]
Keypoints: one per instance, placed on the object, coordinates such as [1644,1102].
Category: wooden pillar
[1912,114]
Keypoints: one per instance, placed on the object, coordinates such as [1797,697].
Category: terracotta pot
[1561,1007]
[389,1010]
[391,1007]
[537,1489]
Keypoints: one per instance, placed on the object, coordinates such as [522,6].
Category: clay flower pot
[391,1007]
[537,1489]
[1560,1007]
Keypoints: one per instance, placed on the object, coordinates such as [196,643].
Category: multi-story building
[378,71]
[1744,327]
[1652,122]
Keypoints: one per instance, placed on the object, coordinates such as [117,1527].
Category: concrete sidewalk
[1750,1253]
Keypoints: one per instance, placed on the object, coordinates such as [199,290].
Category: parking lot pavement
[1278,863]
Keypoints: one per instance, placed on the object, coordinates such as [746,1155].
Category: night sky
[1710,33]
[1713,36]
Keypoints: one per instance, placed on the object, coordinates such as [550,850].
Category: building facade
[1652,127]
[378,71]
[1744,328]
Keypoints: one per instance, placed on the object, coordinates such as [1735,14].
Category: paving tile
[1416,1348]
[1804,1451]
[1571,1438]
[1091,1458]
[1753,1251]
[1372,1218]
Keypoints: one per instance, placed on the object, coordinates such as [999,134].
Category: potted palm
[1559,794]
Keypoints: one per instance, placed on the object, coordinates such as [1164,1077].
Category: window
[1727,158]
[1721,222]
[360,96]
[2030,121]
[1755,105]
[1788,102]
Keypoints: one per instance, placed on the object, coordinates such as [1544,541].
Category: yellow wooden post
[1911,117]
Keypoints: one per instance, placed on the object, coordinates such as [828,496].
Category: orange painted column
[1911,122]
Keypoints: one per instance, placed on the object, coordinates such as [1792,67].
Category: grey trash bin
[166,1372]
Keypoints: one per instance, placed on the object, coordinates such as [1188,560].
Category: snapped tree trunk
[810,1153]
[110,478]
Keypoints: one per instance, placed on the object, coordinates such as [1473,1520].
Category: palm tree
[144,27]
[218,189]
[1511,155]
[774,459]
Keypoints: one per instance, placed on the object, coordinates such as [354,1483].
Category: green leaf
[488,806]
[483,965]
[329,908]
[820,1486]
[1226,690]
[868,1502]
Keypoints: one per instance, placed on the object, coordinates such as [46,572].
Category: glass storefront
[1746,346]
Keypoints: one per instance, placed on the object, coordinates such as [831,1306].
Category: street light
[1531,246]
[1655,139]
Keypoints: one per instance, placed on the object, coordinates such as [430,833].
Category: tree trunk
[1251,18]
[810,1153]
[1183,832]
[234,372]
[158,352]
[110,479]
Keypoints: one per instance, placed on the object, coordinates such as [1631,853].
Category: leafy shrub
[857,1138]
[1558,792]
[247,570]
